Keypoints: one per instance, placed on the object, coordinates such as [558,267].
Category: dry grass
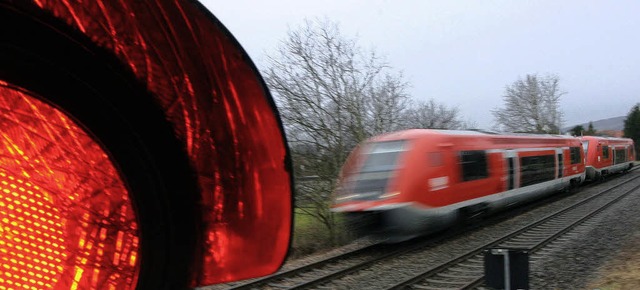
[621,272]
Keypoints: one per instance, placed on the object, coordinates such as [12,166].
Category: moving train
[415,182]
[606,155]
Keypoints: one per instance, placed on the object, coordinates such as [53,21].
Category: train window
[370,185]
[537,169]
[383,156]
[474,165]
[574,152]
[585,146]
[605,152]
[387,146]
[620,155]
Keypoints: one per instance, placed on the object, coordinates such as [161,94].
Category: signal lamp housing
[139,149]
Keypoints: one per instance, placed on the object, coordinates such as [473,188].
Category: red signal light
[188,126]
[66,221]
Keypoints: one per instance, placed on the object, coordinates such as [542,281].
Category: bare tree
[331,95]
[431,115]
[389,105]
[531,105]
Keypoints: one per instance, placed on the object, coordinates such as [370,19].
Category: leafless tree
[432,115]
[332,95]
[531,105]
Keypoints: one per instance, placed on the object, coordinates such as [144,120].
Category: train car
[607,155]
[415,182]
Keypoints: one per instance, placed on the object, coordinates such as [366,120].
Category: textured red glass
[66,220]
[219,109]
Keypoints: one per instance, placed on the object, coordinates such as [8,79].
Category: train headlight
[389,195]
[347,197]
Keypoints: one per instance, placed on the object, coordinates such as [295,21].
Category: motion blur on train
[414,182]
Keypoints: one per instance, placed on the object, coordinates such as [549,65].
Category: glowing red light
[66,221]
[221,112]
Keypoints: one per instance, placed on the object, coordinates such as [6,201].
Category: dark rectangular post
[506,268]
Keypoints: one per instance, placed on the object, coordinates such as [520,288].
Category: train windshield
[585,146]
[380,163]
[383,156]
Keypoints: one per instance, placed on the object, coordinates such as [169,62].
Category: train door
[619,154]
[511,159]
[560,162]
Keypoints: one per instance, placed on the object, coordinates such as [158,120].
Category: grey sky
[464,53]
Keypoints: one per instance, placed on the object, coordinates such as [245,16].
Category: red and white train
[418,181]
[606,155]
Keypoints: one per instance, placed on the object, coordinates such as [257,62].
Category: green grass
[311,236]
[302,221]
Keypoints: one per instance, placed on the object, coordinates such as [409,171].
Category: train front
[374,192]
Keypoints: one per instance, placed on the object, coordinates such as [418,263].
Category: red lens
[66,220]
[223,115]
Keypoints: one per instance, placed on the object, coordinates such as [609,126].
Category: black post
[506,268]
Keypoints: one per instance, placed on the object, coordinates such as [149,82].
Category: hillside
[613,124]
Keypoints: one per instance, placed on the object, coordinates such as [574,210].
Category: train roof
[606,138]
[416,133]
[479,139]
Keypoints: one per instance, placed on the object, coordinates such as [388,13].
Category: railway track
[317,273]
[465,271]
[308,276]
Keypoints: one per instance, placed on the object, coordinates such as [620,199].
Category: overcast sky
[464,53]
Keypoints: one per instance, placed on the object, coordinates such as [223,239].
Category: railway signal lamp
[139,149]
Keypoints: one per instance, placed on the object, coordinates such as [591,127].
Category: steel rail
[479,250]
